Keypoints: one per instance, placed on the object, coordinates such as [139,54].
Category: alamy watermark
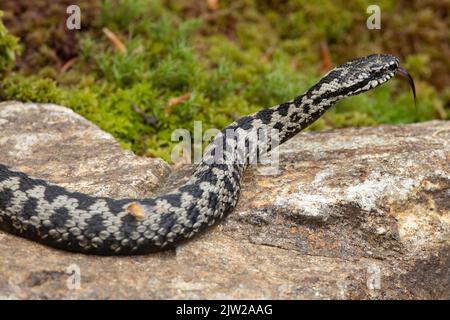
[373,277]
[231,146]
[374,20]
[73,282]
[73,22]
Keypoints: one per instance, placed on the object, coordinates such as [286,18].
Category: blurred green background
[168,63]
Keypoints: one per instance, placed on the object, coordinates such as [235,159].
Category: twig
[325,57]
[174,101]
[213,5]
[115,40]
[68,65]
[223,12]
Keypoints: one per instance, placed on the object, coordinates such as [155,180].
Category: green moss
[255,56]
[17,87]
[9,48]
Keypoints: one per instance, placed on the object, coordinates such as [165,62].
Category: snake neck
[252,136]
[291,117]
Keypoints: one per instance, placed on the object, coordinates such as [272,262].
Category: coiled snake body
[74,221]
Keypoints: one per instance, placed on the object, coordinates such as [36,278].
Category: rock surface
[354,213]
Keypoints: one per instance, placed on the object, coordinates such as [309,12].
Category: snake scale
[49,214]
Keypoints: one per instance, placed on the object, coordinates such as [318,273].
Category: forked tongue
[406,74]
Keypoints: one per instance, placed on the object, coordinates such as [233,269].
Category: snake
[49,214]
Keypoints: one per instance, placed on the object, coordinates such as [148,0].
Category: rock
[353,213]
[53,142]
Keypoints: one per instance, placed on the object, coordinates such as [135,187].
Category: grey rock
[353,213]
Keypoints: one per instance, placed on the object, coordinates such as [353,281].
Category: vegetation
[160,65]
[9,47]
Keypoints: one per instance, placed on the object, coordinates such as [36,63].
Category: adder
[49,214]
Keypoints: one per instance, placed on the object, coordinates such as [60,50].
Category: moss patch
[185,61]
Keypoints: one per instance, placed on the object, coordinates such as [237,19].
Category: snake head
[373,70]
[369,72]
[359,75]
